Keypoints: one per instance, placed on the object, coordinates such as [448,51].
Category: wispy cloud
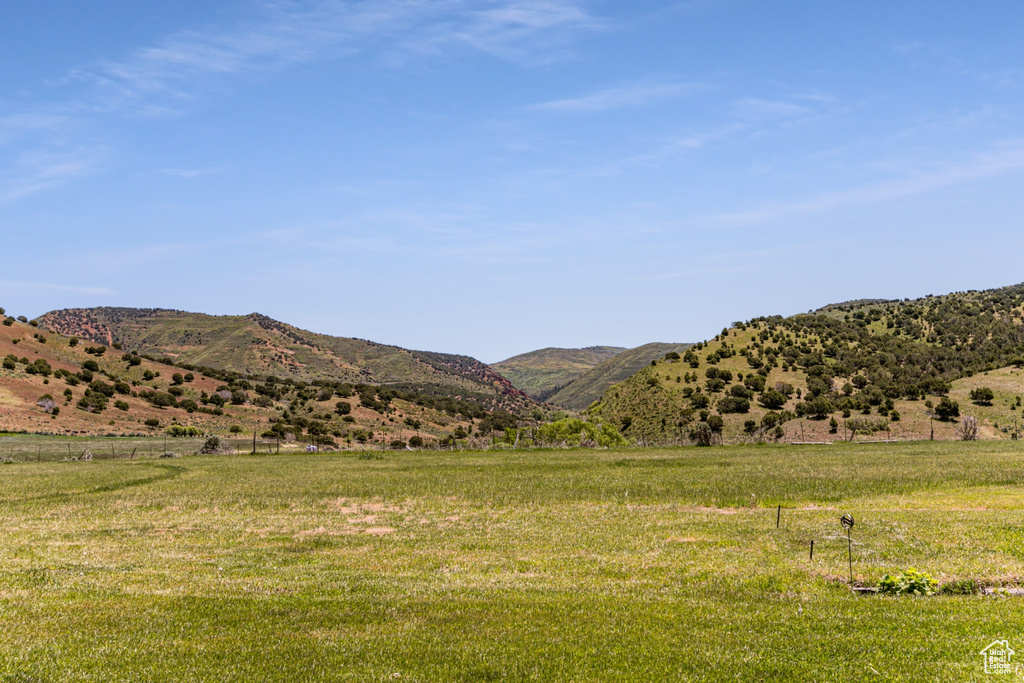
[633,95]
[39,170]
[288,33]
[753,108]
[25,286]
[188,173]
[14,126]
[1003,158]
[171,75]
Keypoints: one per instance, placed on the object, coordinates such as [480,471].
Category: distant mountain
[256,345]
[592,384]
[543,373]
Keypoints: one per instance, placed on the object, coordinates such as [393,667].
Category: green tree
[947,409]
[772,400]
[982,396]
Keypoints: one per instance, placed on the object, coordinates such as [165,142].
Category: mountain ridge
[257,345]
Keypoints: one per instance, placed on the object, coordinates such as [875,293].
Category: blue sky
[493,176]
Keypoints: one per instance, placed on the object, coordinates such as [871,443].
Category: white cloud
[188,173]
[753,108]
[41,169]
[634,95]
[1003,158]
[288,33]
[25,286]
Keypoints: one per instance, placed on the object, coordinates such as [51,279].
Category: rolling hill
[57,384]
[592,384]
[862,369]
[257,346]
[543,373]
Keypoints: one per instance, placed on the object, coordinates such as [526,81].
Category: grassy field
[635,565]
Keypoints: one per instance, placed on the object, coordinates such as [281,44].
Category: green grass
[552,565]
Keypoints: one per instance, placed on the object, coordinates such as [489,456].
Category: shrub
[909,582]
[235,429]
[102,387]
[92,402]
[175,391]
[754,382]
[772,399]
[398,445]
[818,407]
[177,378]
[91,366]
[947,409]
[967,430]
[8,322]
[716,423]
[10,364]
[416,441]
[211,445]
[732,404]
[575,432]
[152,422]
[182,430]
[162,400]
[982,396]
[121,405]
[740,391]
[715,385]
[702,435]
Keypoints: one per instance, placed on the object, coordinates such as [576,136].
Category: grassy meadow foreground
[552,565]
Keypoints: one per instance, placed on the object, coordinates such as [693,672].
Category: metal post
[812,548]
[847,522]
[849,548]
[778,517]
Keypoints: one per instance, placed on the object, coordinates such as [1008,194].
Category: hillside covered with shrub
[255,345]
[56,384]
[864,369]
